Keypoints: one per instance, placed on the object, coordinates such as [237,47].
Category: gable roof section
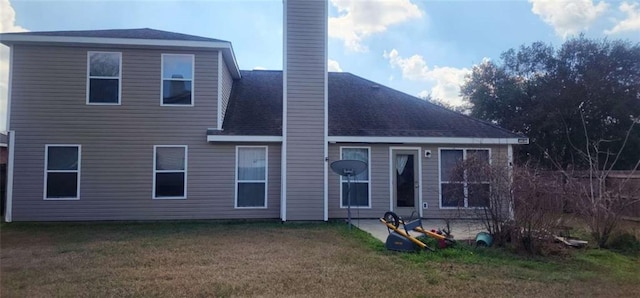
[141,37]
[357,108]
[139,33]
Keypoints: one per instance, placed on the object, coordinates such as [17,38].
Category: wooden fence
[629,183]
[623,183]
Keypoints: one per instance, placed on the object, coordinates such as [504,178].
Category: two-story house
[142,124]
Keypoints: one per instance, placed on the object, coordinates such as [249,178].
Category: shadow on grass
[70,236]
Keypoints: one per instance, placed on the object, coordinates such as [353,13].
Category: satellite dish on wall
[349,169]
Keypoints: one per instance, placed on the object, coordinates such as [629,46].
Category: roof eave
[244,138]
[429,140]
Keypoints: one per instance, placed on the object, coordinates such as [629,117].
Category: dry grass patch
[255,259]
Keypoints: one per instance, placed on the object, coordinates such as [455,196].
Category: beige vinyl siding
[305,94]
[48,107]
[227,85]
[381,193]
[378,177]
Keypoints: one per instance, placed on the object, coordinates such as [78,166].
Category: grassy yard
[198,259]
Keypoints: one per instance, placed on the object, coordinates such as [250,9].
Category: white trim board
[326,116]
[283,139]
[254,139]
[219,120]
[225,46]
[9,85]
[426,140]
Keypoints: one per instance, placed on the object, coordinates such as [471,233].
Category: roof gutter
[380,140]
[250,139]
[427,140]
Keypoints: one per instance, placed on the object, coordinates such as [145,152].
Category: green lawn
[200,259]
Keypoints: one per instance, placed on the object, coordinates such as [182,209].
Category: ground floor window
[251,177]
[170,172]
[360,196]
[62,172]
[462,179]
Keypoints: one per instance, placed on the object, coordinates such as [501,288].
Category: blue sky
[418,47]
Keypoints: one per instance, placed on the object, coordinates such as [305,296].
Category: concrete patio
[460,229]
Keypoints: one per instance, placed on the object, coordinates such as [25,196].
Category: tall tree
[586,90]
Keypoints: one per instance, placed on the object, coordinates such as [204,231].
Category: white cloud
[334,66]
[631,23]
[359,19]
[413,68]
[446,80]
[7,24]
[568,17]
[259,68]
[424,94]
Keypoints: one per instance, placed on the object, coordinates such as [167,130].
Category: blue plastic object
[484,239]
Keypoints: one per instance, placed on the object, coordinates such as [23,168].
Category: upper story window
[177,80]
[104,77]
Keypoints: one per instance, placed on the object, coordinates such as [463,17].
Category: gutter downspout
[510,173]
[283,159]
[8,215]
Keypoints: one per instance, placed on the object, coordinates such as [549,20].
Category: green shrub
[625,242]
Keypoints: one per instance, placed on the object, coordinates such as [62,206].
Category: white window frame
[342,179]
[193,80]
[47,171]
[265,181]
[156,171]
[89,77]
[465,183]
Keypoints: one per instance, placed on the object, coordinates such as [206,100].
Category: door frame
[418,151]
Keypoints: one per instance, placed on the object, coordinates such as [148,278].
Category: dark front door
[405,183]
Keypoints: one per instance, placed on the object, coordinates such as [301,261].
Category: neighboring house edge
[143,124]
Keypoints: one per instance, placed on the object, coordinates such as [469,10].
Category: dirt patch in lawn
[254,259]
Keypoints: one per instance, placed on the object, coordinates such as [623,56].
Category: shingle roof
[255,105]
[357,107]
[141,33]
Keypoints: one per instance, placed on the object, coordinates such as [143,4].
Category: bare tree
[519,204]
[538,201]
[600,204]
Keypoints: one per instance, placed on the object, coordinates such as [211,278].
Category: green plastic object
[484,239]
